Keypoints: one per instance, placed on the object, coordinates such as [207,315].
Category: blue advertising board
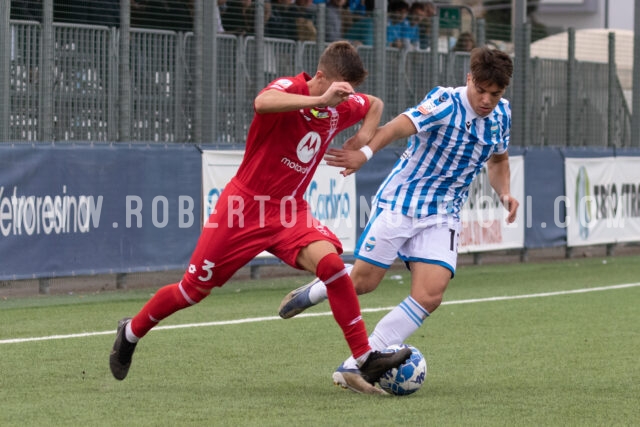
[88,209]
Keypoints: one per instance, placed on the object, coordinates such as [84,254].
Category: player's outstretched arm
[500,180]
[370,123]
[277,101]
[398,128]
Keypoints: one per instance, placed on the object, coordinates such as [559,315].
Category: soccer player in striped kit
[262,208]
[452,134]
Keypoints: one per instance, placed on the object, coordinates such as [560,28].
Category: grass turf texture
[561,360]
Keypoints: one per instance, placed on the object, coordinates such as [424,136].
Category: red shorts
[242,226]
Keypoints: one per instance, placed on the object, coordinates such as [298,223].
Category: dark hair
[491,66]
[465,43]
[340,60]
[397,6]
[417,6]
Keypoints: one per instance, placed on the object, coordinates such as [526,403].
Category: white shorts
[390,234]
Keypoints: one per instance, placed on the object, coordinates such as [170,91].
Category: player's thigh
[220,252]
[303,244]
[309,256]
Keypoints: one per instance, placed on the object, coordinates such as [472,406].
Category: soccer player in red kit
[262,208]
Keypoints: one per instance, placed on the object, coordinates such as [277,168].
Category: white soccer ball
[408,377]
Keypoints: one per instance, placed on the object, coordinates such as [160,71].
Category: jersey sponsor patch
[281,84]
[319,114]
[427,107]
[308,146]
[357,98]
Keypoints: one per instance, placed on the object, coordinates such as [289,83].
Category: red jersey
[284,150]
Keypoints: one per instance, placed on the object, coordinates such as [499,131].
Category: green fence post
[124,73]
[5,69]
[611,86]
[45,116]
[209,73]
[434,55]
[380,48]
[635,102]
[571,86]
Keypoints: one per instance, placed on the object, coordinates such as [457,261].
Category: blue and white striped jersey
[451,146]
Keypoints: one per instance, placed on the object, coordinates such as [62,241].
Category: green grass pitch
[547,358]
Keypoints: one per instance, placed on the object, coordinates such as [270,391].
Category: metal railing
[569,103]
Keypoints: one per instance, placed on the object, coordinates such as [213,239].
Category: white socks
[128,333]
[394,328]
[398,324]
[359,361]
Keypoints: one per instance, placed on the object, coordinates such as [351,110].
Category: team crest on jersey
[494,130]
[281,84]
[427,107]
[370,244]
[308,146]
[319,114]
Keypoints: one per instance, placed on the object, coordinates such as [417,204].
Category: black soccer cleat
[121,353]
[380,362]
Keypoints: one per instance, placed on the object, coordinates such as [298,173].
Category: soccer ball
[408,377]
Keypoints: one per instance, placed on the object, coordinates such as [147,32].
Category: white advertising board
[331,196]
[484,226]
[602,200]
[333,201]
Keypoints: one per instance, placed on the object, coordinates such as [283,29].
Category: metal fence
[568,102]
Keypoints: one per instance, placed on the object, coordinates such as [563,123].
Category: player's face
[483,97]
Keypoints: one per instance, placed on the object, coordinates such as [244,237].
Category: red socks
[340,292]
[165,302]
[344,303]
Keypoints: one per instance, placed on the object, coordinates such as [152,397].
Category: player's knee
[193,292]
[360,287]
[432,304]
[366,279]
[363,285]
[429,301]
[330,268]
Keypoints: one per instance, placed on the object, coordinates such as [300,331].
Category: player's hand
[350,160]
[356,142]
[511,205]
[338,92]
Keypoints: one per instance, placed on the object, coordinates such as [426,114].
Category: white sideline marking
[328,313]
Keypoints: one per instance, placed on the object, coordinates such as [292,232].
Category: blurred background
[187,70]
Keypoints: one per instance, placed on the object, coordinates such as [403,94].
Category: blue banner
[89,209]
[71,209]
